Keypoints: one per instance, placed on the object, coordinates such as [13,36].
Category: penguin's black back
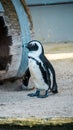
[49,68]
[47,64]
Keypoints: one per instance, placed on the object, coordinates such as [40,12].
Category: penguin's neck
[36,58]
[33,55]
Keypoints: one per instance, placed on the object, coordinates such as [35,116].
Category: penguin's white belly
[37,75]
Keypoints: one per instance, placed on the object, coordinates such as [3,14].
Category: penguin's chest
[34,69]
[37,75]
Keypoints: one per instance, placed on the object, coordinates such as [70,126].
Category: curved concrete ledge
[35,121]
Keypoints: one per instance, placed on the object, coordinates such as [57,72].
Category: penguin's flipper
[48,66]
[34,94]
[54,87]
[43,96]
[48,77]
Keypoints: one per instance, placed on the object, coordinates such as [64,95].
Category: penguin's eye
[35,47]
[35,44]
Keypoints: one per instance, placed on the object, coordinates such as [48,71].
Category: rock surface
[16,104]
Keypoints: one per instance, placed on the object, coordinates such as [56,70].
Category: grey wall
[34,2]
[53,23]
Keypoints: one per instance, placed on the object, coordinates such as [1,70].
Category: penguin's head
[35,48]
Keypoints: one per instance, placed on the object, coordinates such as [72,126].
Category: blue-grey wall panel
[33,2]
[53,23]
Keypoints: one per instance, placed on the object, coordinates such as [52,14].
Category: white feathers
[37,75]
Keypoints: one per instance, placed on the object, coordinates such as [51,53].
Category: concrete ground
[16,104]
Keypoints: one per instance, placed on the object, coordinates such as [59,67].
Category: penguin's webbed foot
[34,94]
[43,96]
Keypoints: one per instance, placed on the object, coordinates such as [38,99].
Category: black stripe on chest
[43,72]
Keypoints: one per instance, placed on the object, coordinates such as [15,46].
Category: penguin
[41,70]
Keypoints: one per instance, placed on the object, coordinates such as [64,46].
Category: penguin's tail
[54,89]
[53,85]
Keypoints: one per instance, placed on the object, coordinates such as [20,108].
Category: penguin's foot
[34,94]
[43,96]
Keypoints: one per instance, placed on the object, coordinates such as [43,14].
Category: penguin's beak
[28,47]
